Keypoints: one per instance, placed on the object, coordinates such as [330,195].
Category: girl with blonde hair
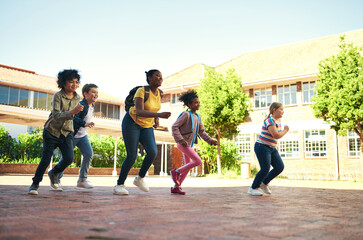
[266,151]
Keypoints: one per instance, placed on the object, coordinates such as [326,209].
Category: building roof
[299,58]
[190,75]
[29,79]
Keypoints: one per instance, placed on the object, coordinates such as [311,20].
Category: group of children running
[70,117]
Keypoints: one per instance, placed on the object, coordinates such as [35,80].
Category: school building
[287,74]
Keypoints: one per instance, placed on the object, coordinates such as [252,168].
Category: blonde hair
[274,105]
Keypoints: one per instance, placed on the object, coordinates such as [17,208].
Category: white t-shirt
[83,130]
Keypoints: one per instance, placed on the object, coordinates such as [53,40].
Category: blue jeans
[267,157]
[50,142]
[86,150]
[132,134]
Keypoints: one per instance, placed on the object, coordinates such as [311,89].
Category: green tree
[339,92]
[7,145]
[224,105]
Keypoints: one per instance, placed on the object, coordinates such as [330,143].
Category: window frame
[243,140]
[309,91]
[260,96]
[292,137]
[284,92]
[352,135]
[313,144]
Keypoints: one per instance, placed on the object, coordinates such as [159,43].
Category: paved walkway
[212,209]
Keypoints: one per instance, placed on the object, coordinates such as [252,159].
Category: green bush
[7,145]
[230,157]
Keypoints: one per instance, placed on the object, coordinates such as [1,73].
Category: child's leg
[263,154]
[85,148]
[191,159]
[66,148]
[147,140]
[278,167]
[131,136]
[49,144]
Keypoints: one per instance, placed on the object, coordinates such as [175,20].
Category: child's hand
[156,122]
[214,142]
[164,115]
[90,125]
[77,109]
[184,143]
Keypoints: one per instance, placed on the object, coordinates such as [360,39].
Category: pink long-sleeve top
[181,129]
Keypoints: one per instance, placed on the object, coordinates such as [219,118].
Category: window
[308,91]
[116,112]
[14,96]
[244,143]
[23,97]
[107,110]
[103,109]
[289,145]
[353,144]
[4,95]
[315,144]
[175,98]
[263,98]
[49,102]
[287,94]
[42,100]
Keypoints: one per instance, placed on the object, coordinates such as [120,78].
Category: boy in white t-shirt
[82,121]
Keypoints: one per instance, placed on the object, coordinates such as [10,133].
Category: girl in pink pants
[185,131]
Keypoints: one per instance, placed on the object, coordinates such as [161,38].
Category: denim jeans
[132,134]
[50,142]
[86,150]
[267,157]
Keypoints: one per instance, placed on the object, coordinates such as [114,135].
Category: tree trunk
[219,165]
[361,157]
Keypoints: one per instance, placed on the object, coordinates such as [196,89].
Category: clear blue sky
[113,42]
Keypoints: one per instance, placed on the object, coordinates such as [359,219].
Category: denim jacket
[60,120]
[78,119]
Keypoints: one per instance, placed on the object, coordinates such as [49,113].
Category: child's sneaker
[120,190]
[53,180]
[254,192]
[177,190]
[33,189]
[139,182]
[175,176]
[265,188]
[84,184]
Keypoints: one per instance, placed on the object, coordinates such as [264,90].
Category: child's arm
[60,115]
[202,133]
[175,129]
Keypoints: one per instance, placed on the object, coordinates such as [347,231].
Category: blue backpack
[192,130]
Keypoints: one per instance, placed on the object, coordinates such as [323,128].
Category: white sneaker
[139,182]
[120,190]
[84,184]
[59,189]
[265,188]
[254,192]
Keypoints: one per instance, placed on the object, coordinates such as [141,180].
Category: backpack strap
[147,92]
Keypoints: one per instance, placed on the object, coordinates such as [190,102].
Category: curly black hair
[187,98]
[150,74]
[67,75]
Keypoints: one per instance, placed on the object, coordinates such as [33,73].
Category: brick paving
[211,209]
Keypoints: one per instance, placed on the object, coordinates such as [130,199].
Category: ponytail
[274,105]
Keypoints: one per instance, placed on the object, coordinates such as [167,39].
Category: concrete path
[211,209]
